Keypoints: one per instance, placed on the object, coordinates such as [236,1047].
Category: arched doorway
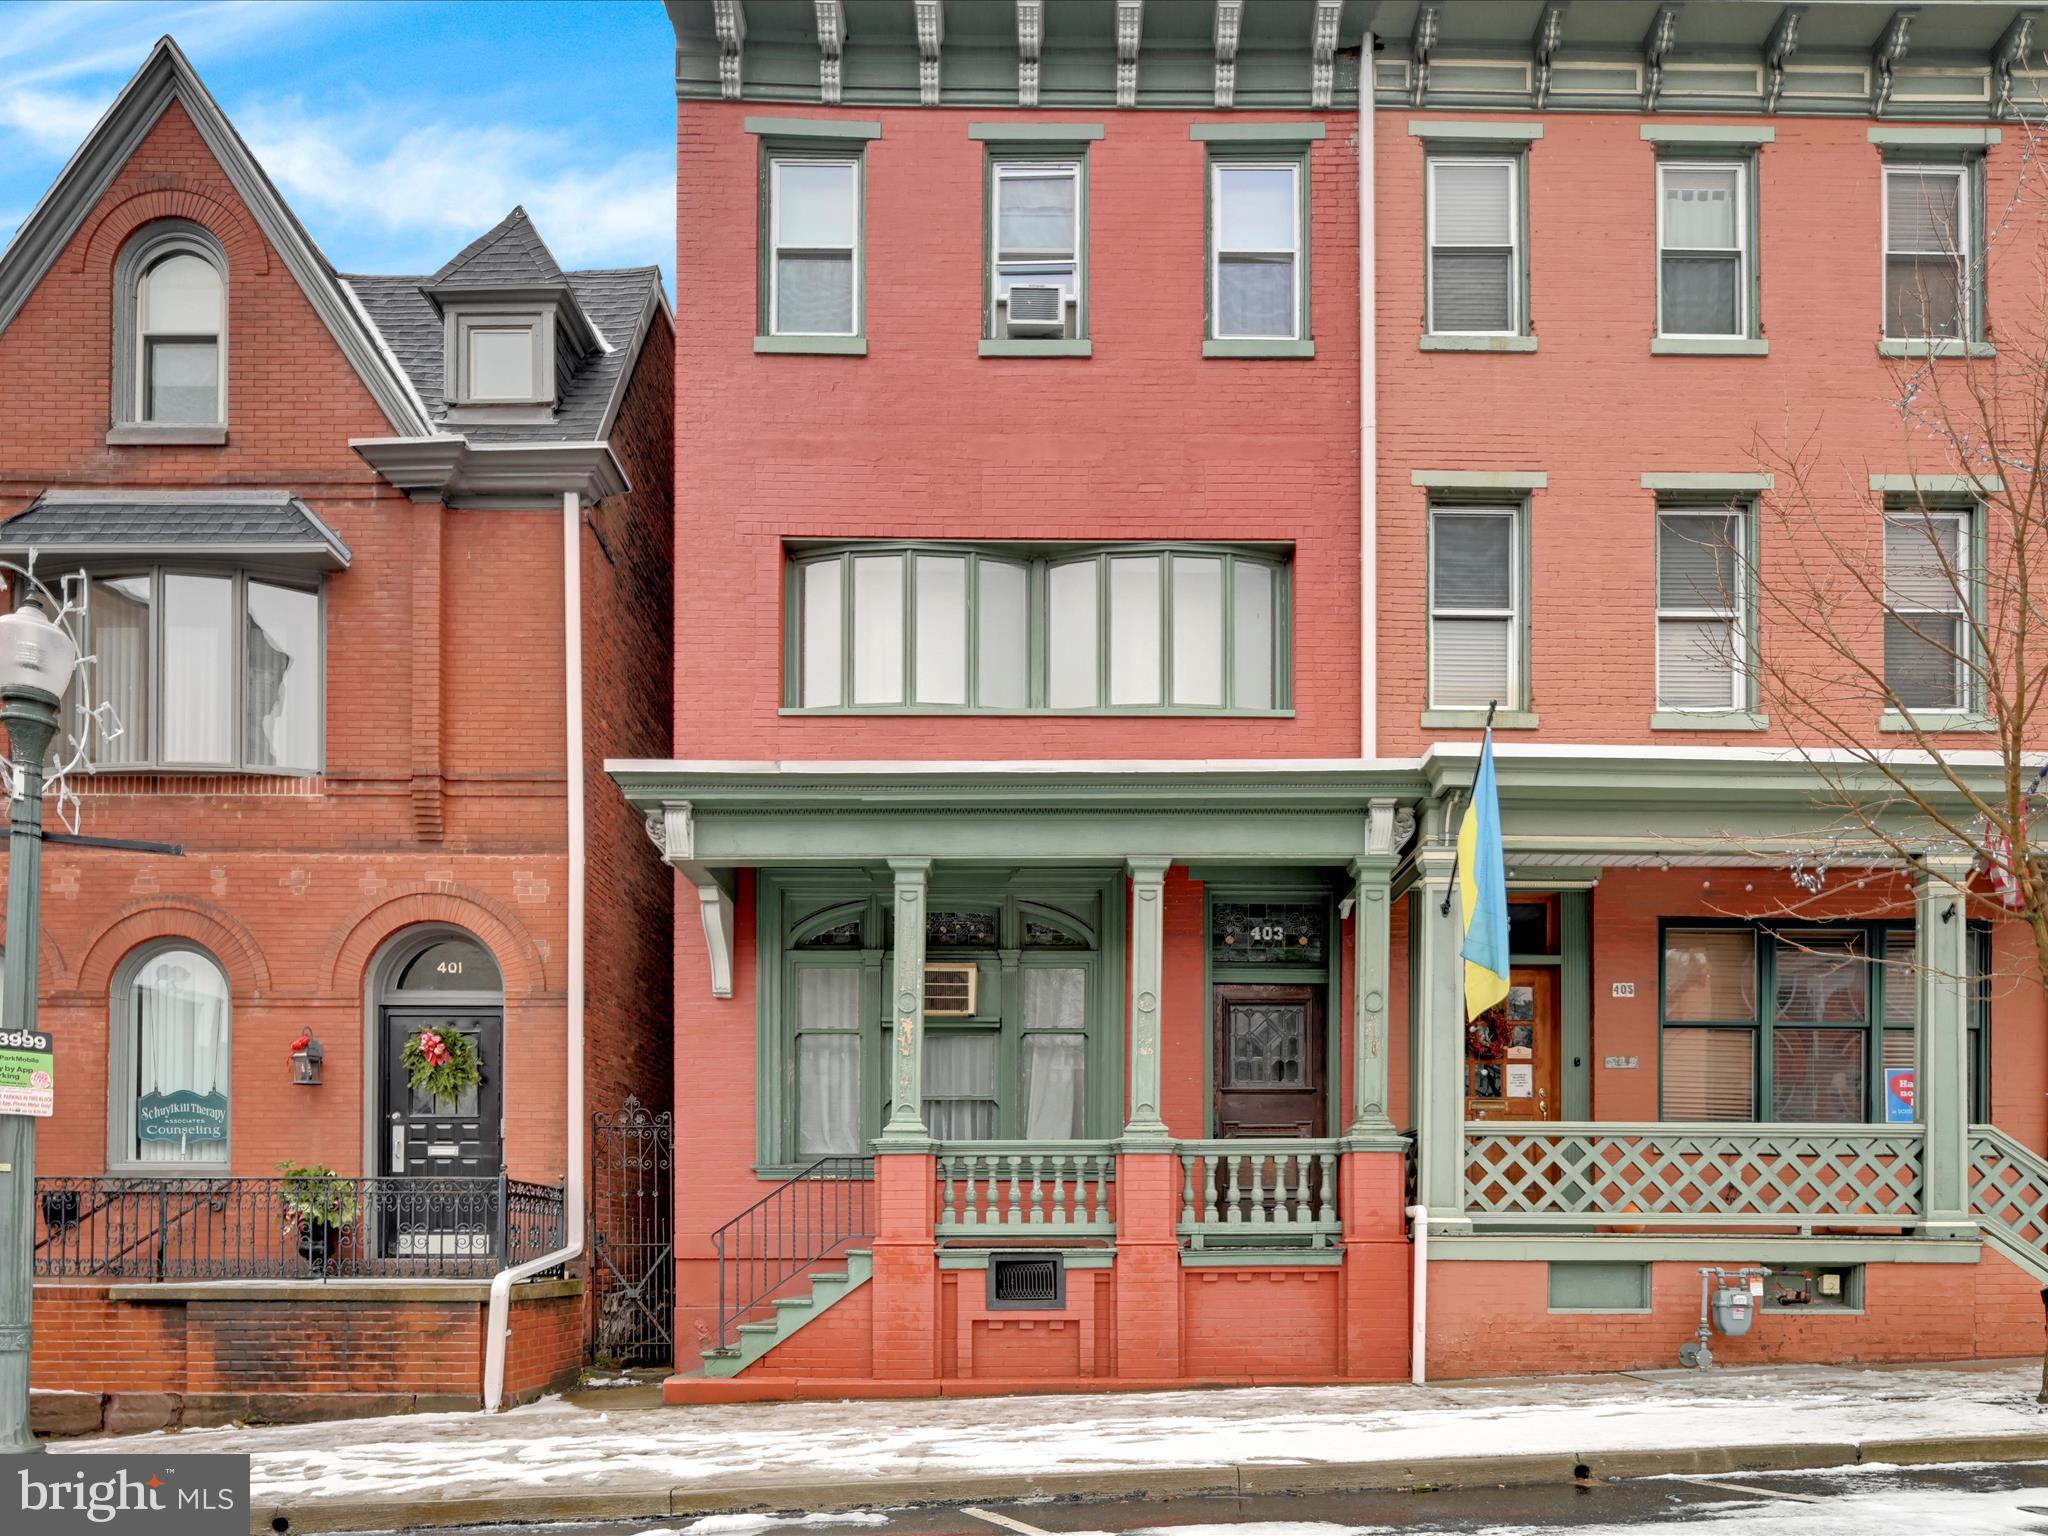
[441,1157]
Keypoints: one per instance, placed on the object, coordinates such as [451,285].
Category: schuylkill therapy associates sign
[92,1495]
[28,1072]
[182,1115]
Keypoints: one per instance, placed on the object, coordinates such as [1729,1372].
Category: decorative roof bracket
[1323,53]
[1657,45]
[1130,26]
[1549,33]
[831,46]
[931,34]
[729,20]
[1428,26]
[1030,41]
[1884,58]
[1784,39]
[1229,18]
[2008,55]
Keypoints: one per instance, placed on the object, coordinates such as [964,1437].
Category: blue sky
[398,130]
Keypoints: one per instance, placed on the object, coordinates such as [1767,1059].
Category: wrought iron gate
[632,1247]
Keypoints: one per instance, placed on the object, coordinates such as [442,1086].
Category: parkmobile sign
[28,1072]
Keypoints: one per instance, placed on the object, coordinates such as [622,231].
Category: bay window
[1017,628]
[205,670]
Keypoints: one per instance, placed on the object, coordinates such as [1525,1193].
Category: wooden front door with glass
[1511,1053]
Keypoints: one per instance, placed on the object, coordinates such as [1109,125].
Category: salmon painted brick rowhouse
[375,572]
[1124,463]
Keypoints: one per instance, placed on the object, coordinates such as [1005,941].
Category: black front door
[440,1160]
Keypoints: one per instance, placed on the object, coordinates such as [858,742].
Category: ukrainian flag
[1483,891]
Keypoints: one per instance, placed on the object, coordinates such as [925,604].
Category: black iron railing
[796,1225]
[138,1228]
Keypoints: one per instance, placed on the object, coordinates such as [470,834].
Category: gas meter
[1728,1303]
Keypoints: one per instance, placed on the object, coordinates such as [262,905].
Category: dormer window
[500,357]
[170,374]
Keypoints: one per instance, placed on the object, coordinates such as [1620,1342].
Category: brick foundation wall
[545,1351]
[1264,1321]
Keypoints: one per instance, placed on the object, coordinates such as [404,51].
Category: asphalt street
[1934,1501]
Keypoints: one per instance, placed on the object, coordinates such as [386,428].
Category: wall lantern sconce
[307,1055]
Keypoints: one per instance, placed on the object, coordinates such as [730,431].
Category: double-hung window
[1016,627]
[1474,608]
[1474,245]
[1702,639]
[1927,588]
[814,218]
[1035,243]
[1703,260]
[1929,250]
[205,670]
[1257,230]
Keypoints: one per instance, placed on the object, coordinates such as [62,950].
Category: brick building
[1108,604]
[375,571]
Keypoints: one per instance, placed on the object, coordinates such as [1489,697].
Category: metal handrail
[797,1224]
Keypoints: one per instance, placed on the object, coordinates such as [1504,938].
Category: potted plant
[320,1205]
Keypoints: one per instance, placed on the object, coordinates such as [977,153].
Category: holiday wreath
[441,1066]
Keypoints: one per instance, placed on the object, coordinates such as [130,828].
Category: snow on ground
[555,1446]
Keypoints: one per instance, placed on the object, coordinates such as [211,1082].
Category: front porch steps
[790,1314]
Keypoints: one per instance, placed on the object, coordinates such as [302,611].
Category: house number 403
[1624,989]
[1268,933]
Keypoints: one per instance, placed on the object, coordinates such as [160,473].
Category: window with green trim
[1933,232]
[1777,1024]
[1477,615]
[1012,628]
[1258,241]
[1705,264]
[1474,281]
[1037,245]
[1704,607]
[1035,1060]
[812,281]
[1930,589]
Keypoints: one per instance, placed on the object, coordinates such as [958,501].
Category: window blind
[1710,974]
[1709,1074]
[1701,267]
[1472,277]
[1471,652]
[1926,253]
[1818,1075]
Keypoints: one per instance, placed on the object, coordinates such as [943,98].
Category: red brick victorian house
[352,552]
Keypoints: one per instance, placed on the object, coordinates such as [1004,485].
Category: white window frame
[124,1051]
[1512,613]
[1964,254]
[1965,521]
[153,244]
[1741,248]
[1052,168]
[1515,258]
[1736,616]
[855,164]
[1217,168]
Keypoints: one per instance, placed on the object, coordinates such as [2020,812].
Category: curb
[664,1499]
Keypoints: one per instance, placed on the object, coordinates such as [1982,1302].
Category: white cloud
[443,183]
[54,122]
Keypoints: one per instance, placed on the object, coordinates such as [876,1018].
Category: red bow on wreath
[434,1048]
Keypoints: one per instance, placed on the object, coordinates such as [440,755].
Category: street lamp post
[37,658]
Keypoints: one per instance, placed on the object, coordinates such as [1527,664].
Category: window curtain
[1055,1062]
[119,616]
[198,671]
[828,1061]
[181,1043]
[960,1087]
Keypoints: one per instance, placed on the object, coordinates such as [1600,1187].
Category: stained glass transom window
[1268,932]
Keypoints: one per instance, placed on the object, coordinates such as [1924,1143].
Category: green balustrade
[1017,1189]
[1280,1193]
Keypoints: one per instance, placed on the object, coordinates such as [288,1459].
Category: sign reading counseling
[182,1115]
[28,1073]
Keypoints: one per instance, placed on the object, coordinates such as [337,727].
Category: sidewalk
[559,1461]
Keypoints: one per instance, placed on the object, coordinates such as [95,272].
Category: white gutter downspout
[1418,1298]
[497,1326]
[1368,424]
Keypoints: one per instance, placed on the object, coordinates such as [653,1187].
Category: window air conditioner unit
[949,991]
[1036,309]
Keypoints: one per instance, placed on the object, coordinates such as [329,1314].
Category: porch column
[1148,1182]
[1942,1044]
[906,1128]
[1148,965]
[1439,1046]
[906,1278]
[1371,1126]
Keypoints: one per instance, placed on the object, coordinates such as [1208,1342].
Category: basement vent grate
[1021,1280]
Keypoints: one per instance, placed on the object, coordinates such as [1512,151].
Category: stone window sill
[1709,346]
[136,434]
[1024,347]
[822,346]
[1474,719]
[1935,721]
[1432,343]
[1247,348]
[1709,720]
[1944,348]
